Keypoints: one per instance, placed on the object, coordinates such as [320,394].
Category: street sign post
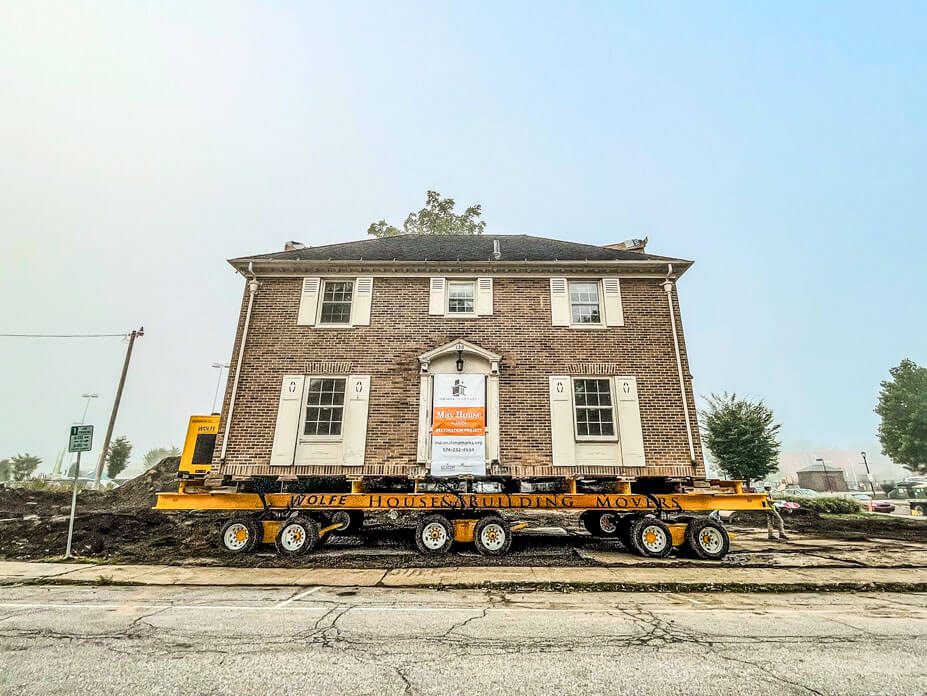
[81,440]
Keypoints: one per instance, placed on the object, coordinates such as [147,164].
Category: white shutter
[563,444]
[436,297]
[559,302]
[484,297]
[614,316]
[630,434]
[354,428]
[363,296]
[309,302]
[289,412]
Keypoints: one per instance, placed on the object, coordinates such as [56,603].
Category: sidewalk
[702,578]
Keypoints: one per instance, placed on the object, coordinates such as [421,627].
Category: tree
[903,408]
[741,436]
[22,466]
[5,469]
[153,456]
[117,458]
[437,217]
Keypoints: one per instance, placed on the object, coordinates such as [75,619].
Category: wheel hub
[236,536]
[493,537]
[434,535]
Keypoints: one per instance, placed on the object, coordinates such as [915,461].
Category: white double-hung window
[593,409]
[585,307]
[461,297]
[324,407]
[335,307]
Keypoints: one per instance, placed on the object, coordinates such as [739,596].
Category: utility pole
[112,417]
[868,474]
[826,475]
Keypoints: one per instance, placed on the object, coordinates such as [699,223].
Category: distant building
[820,477]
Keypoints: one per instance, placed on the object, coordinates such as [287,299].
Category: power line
[13,335]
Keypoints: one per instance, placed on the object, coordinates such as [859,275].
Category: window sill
[319,439]
[461,316]
[593,327]
[595,440]
[333,326]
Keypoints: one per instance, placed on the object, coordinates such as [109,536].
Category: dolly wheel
[492,536]
[297,535]
[434,535]
[624,525]
[707,539]
[350,520]
[600,524]
[241,534]
[650,537]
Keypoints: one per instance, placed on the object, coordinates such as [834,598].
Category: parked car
[796,492]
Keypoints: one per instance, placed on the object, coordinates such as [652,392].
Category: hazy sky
[142,144]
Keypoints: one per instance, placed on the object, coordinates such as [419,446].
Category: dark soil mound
[142,491]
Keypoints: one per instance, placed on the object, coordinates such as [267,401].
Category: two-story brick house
[486,355]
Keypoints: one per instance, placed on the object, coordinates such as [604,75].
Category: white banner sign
[458,432]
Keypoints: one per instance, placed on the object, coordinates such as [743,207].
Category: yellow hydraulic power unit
[198,446]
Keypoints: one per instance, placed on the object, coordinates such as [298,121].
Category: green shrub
[832,504]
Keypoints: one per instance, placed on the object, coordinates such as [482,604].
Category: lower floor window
[592,399]
[324,407]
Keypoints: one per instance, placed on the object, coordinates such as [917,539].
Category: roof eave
[247,265]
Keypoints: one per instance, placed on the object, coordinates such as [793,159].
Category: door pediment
[464,348]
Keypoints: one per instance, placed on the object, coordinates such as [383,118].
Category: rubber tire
[592,521]
[355,521]
[624,530]
[694,548]
[420,528]
[310,528]
[481,525]
[255,533]
[636,535]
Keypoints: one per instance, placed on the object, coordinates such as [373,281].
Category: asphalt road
[163,640]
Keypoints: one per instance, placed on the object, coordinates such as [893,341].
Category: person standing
[773,517]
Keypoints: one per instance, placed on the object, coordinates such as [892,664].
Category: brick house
[496,355]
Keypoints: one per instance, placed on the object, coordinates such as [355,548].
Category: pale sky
[781,147]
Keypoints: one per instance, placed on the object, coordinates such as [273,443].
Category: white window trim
[304,404]
[448,314]
[594,438]
[601,323]
[318,312]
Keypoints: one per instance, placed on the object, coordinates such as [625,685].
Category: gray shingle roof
[413,247]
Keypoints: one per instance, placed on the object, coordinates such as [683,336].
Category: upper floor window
[461,297]
[584,302]
[336,302]
[324,407]
[594,408]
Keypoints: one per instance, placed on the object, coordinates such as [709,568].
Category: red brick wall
[520,330]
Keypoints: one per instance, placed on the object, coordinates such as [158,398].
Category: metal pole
[112,417]
[868,474]
[215,397]
[67,554]
[826,477]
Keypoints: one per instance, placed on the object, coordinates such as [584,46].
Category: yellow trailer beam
[673,502]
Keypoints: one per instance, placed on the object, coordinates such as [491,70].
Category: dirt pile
[142,491]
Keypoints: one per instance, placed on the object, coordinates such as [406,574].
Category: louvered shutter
[563,444]
[559,302]
[289,411]
[354,428]
[484,297]
[309,302]
[614,315]
[436,296]
[630,433]
[363,297]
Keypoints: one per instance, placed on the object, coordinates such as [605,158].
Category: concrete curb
[693,579]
